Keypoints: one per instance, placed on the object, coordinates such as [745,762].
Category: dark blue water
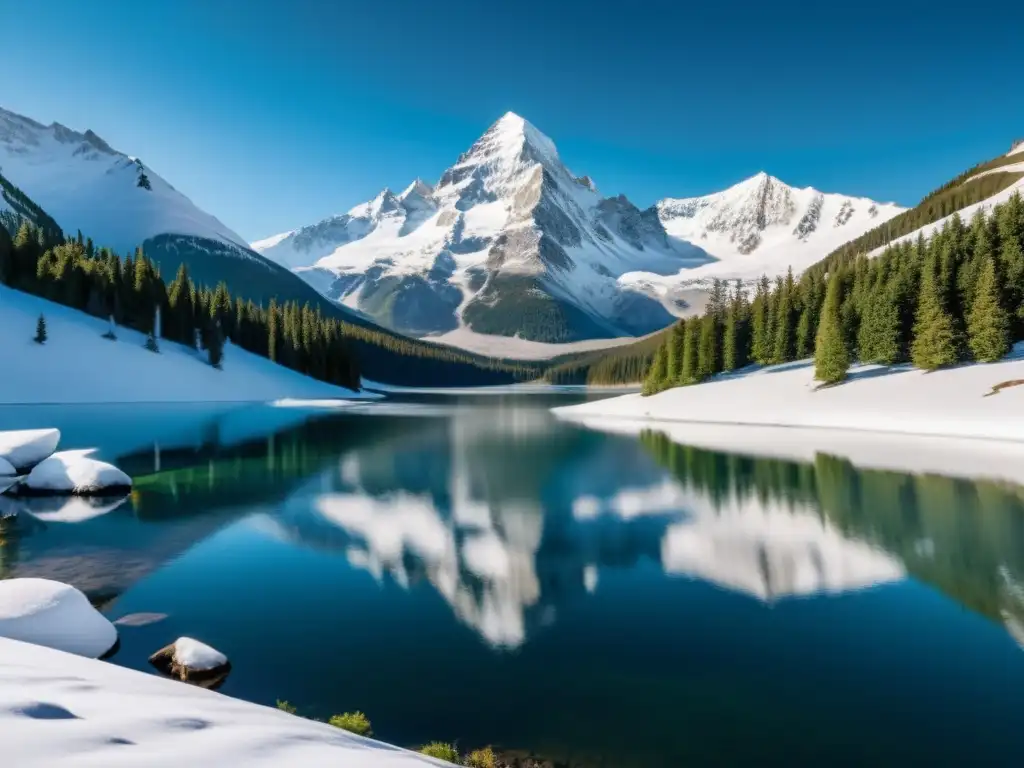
[469,569]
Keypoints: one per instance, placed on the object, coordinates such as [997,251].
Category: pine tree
[784,343]
[761,341]
[988,326]
[215,345]
[735,342]
[143,180]
[831,356]
[272,330]
[879,334]
[674,352]
[657,375]
[151,343]
[691,340]
[40,337]
[935,340]
[708,353]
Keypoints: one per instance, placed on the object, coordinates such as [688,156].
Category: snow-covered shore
[901,399]
[58,710]
[77,365]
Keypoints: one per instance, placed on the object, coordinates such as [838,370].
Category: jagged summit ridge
[511,242]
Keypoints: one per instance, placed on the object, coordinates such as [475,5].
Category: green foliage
[784,343]
[988,327]
[831,356]
[935,342]
[40,337]
[442,751]
[354,722]
[482,758]
[691,340]
[285,706]
[657,376]
[709,358]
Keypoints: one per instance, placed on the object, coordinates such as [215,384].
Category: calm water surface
[468,569]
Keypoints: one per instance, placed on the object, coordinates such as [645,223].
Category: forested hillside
[39,259]
[972,186]
[956,297]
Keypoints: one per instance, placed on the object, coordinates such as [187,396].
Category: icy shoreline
[955,402]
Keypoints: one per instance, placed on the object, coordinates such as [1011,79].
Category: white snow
[77,365]
[75,472]
[63,711]
[74,509]
[196,655]
[517,348]
[6,468]
[950,402]
[966,214]
[55,615]
[768,211]
[85,185]
[22,449]
[1017,149]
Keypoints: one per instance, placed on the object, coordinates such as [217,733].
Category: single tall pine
[831,356]
[935,340]
[988,325]
[40,337]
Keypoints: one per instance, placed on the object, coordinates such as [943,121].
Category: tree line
[132,292]
[955,297]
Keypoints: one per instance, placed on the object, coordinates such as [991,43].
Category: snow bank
[77,365]
[6,468]
[949,402]
[58,711]
[24,448]
[75,472]
[55,615]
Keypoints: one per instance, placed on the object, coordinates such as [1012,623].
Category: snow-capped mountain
[121,203]
[762,225]
[509,242]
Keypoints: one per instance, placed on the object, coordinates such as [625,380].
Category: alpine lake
[468,568]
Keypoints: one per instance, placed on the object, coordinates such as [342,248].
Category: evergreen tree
[657,376]
[272,330]
[40,337]
[708,353]
[935,340]
[831,355]
[784,343]
[674,352]
[879,335]
[151,343]
[691,340]
[761,340]
[215,345]
[143,180]
[988,325]
[735,342]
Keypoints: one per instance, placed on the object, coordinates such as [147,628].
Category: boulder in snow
[74,472]
[193,662]
[22,449]
[56,615]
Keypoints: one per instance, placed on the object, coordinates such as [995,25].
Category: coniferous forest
[956,297]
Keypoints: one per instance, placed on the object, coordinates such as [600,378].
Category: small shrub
[354,722]
[40,337]
[151,344]
[442,751]
[285,706]
[482,758]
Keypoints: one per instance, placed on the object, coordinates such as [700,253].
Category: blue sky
[272,115]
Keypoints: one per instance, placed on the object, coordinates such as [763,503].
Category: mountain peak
[418,187]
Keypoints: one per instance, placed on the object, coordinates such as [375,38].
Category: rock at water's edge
[55,615]
[193,662]
[24,448]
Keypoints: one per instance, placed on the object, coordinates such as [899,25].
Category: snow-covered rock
[74,472]
[22,449]
[62,711]
[55,615]
[192,661]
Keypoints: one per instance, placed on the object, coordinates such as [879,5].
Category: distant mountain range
[510,242]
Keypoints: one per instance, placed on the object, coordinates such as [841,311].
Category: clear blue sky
[272,115]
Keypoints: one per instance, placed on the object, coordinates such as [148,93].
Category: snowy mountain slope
[508,243]
[511,243]
[77,365]
[986,205]
[87,185]
[763,226]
